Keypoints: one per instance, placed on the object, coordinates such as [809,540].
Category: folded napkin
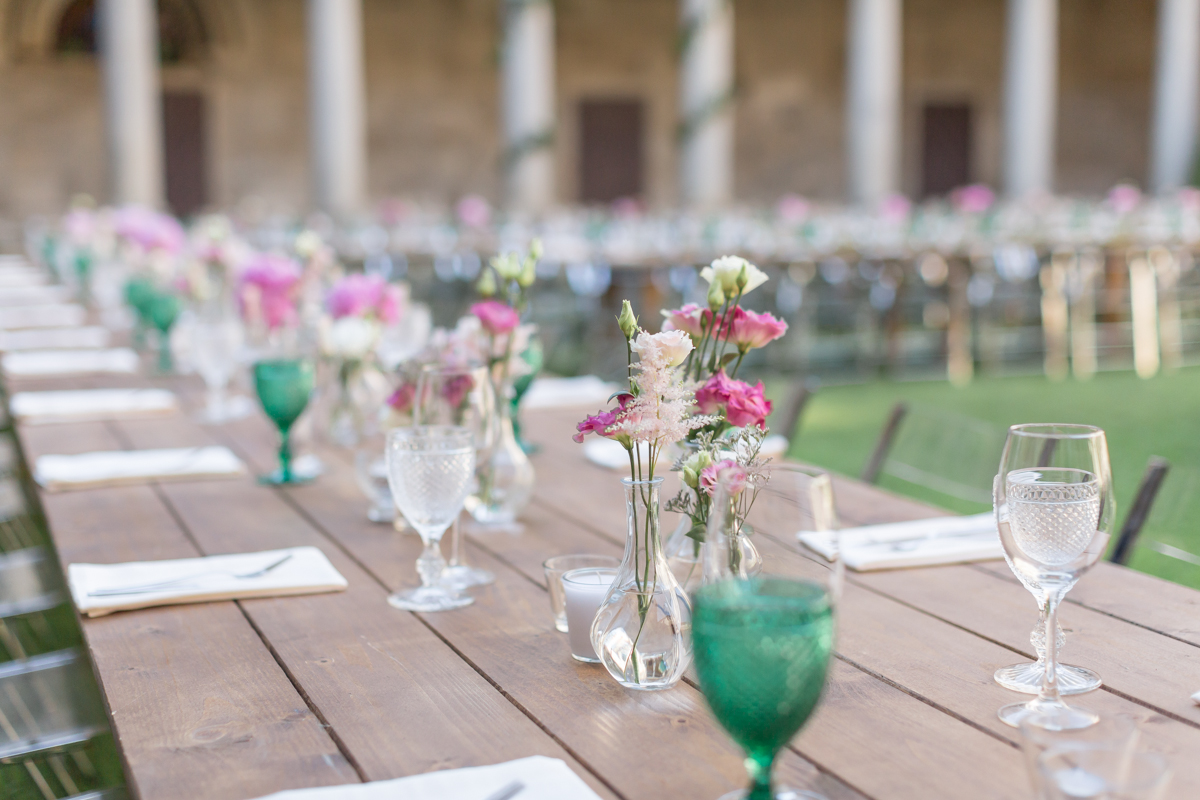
[90,404]
[586,390]
[43,363]
[92,336]
[22,276]
[100,589]
[114,467]
[61,315]
[917,543]
[543,778]
[33,295]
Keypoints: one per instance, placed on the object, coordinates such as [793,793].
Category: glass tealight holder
[558,566]
[585,590]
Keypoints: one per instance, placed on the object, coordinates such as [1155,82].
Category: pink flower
[600,423]
[150,230]
[402,399]
[686,319]
[272,278]
[473,211]
[80,226]
[744,405]
[355,295]
[391,305]
[456,389]
[729,471]
[895,208]
[1124,198]
[750,330]
[974,199]
[496,317]
[792,208]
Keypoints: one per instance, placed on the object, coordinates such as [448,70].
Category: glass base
[385,515]
[560,625]
[1027,678]
[1051,716]
[585,660]
[780,794]
[429,598]
[275,478]
[462,576]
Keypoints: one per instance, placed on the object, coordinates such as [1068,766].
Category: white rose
[351,338]
[674,345]
[727,269]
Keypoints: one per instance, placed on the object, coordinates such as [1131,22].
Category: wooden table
[235,700]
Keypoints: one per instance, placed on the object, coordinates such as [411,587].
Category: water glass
[1115,733]
[1055,512]
[430,469]
[216,347]
[558,566]
[1103,774]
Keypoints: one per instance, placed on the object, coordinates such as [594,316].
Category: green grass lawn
[1160,416]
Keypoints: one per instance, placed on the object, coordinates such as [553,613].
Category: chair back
[47,703]
[1161,534]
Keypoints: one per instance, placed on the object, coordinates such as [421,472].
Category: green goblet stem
[759,769]
[285,455]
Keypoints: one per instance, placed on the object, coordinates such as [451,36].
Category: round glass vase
[360,391]
[505,476]
[642,631]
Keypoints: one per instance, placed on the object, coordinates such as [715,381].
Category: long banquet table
[233,700]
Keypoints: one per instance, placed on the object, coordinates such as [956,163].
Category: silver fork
[147,588]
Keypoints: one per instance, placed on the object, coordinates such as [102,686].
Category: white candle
[585,590]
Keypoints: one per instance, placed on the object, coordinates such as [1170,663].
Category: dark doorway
[610,150]
[946,154]
[185,150]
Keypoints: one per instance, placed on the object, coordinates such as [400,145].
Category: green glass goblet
[284,386]
[761,649]
[138,292]
[163,310]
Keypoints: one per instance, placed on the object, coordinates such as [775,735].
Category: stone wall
[432,76]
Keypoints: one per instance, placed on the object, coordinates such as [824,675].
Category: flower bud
[627,321]
[716,296]
[486,286]
[742,279]
[536,249]
[528,272]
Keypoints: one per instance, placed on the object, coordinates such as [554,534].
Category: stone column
[133,100]
[337,105]
[1030,96]
[873,99]
[706,103]
[1174,146]
[528,103]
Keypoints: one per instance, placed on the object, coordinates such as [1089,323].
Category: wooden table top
[233,700]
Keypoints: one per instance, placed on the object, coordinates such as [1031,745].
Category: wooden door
[186,151]
[946,151]
[610,150]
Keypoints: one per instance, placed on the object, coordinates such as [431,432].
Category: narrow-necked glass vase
[642,631]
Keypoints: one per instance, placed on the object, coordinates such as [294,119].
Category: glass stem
[1049,691]
[164,352]
[455,533]
[216,400]
[285,458]
[431,564]
[760,777]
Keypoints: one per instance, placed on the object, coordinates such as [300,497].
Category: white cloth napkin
[557,392]
[90,404]
[33,295]
[544,779]
[295,570]
[91,336]
[917,543]
[60,315]
[22,276]
[44,363]
[115,467]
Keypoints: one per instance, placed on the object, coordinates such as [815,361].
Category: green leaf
[725,359]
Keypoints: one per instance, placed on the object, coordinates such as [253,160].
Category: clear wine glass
[1027,677]
[1055,511]
[462,397]
[216,348]
[430,468]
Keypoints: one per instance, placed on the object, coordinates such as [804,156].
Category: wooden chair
[946,453]
[1162,528]
[789,409]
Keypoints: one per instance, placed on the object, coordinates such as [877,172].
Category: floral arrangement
[268,291]
[504,284]
[359,307]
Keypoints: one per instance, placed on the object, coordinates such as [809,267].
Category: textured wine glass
[284,387]
[215,349]
[1026,677]
[163,310]
[1055,511]
[762,648]
[430,468]
[462,397]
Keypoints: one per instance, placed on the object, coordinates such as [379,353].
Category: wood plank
[195,697]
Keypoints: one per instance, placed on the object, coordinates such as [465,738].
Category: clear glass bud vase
[727,551]
[506,476]
[642,631]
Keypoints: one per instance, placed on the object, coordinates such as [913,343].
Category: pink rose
[456,389]
[743,404]
[355,295]
[272,278]
[391,305]
[600,423]
[729,471]
[150,230]
[1124,198]
[974,199]
[402,399]
[496,317]
[750,330]
[687,319]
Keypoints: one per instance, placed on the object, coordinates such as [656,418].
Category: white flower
[726,271]
[673,346]
[350,338]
